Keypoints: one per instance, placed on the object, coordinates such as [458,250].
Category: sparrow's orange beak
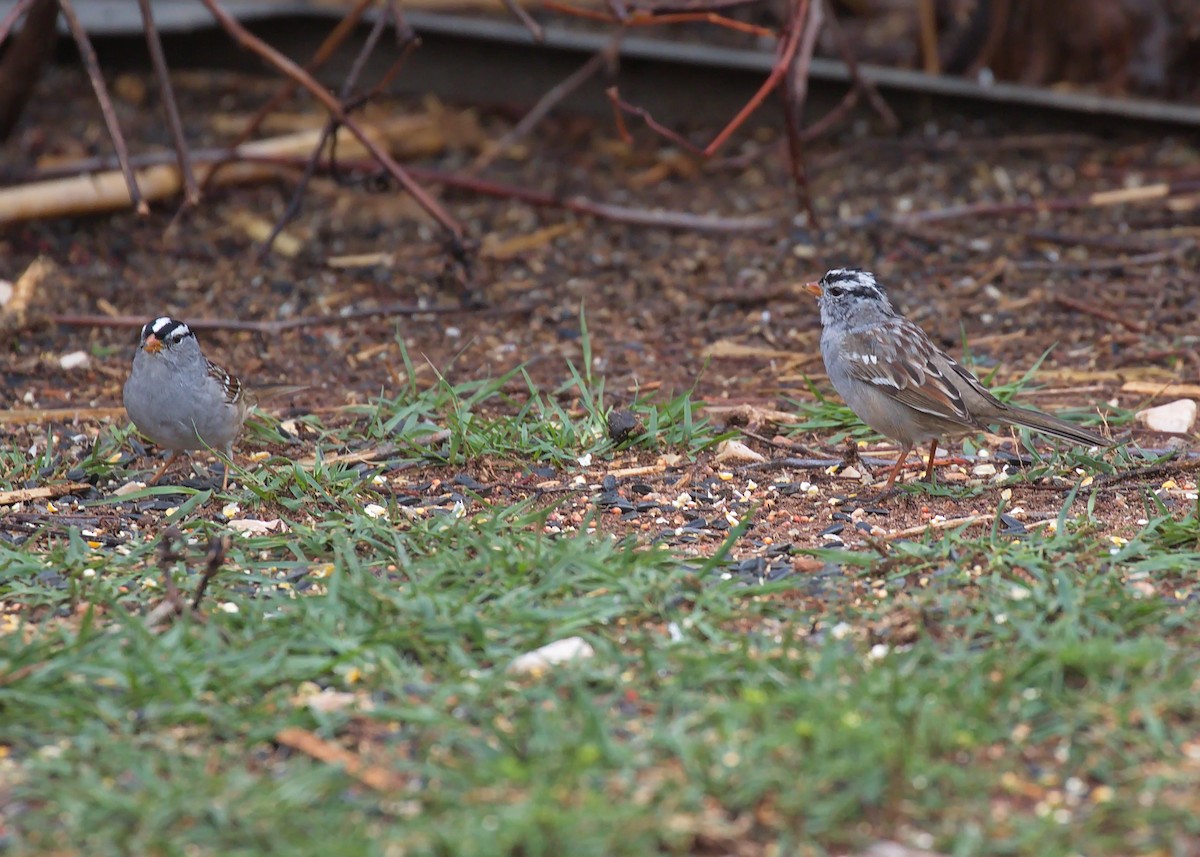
[153,344]
[813,289]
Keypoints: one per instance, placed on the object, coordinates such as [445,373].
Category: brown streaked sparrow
[902,385]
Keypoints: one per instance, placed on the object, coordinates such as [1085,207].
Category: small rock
[129,488]
[552,654]
[983,470]
[735,450]
[1176,417]
[622,425]
[75,360]
[849,473]
[254,527]
[374,510]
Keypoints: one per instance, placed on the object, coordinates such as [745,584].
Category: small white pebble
[75,360]
[228,607]
[374,510]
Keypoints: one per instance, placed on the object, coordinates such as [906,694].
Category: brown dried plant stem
[807,20]
[14,14]
[158,60]
[88,54]
[606,57]
[285,66]
[330,128]
[22,62]
[320,56]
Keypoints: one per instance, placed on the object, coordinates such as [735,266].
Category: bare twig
[88,54]
[212,564]
[1152,258]
[1153,471]
[1099,199]
[154,43]
[168,555]
[807,18]
[783,62]
[534,28]
[583,205]
[927,16]
[327,132]
[846,52]
[374,776]
[320,56]
[21,64]
[285,66]
[605,58]
[1100,312]
[1101,240]
[277,327]
[45,492]
[14,14]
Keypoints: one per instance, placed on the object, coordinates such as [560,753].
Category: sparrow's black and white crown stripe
[167,330]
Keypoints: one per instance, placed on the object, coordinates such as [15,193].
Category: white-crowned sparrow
[901,384]
[179,398]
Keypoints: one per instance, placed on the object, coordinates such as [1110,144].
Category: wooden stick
[45,492]
[374,776]
[109,190]
[951,523]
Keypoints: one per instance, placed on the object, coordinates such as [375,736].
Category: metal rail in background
[457,47]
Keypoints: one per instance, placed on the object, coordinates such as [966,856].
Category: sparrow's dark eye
[835,291]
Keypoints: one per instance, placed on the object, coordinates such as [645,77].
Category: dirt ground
[1042,263]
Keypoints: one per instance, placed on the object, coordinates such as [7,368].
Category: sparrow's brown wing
[898,356]
[234,391]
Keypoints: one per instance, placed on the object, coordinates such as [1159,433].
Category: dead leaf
[15,311]
[735,450]
[306,742]
[255,527]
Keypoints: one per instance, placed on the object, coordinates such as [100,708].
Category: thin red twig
[783,60]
